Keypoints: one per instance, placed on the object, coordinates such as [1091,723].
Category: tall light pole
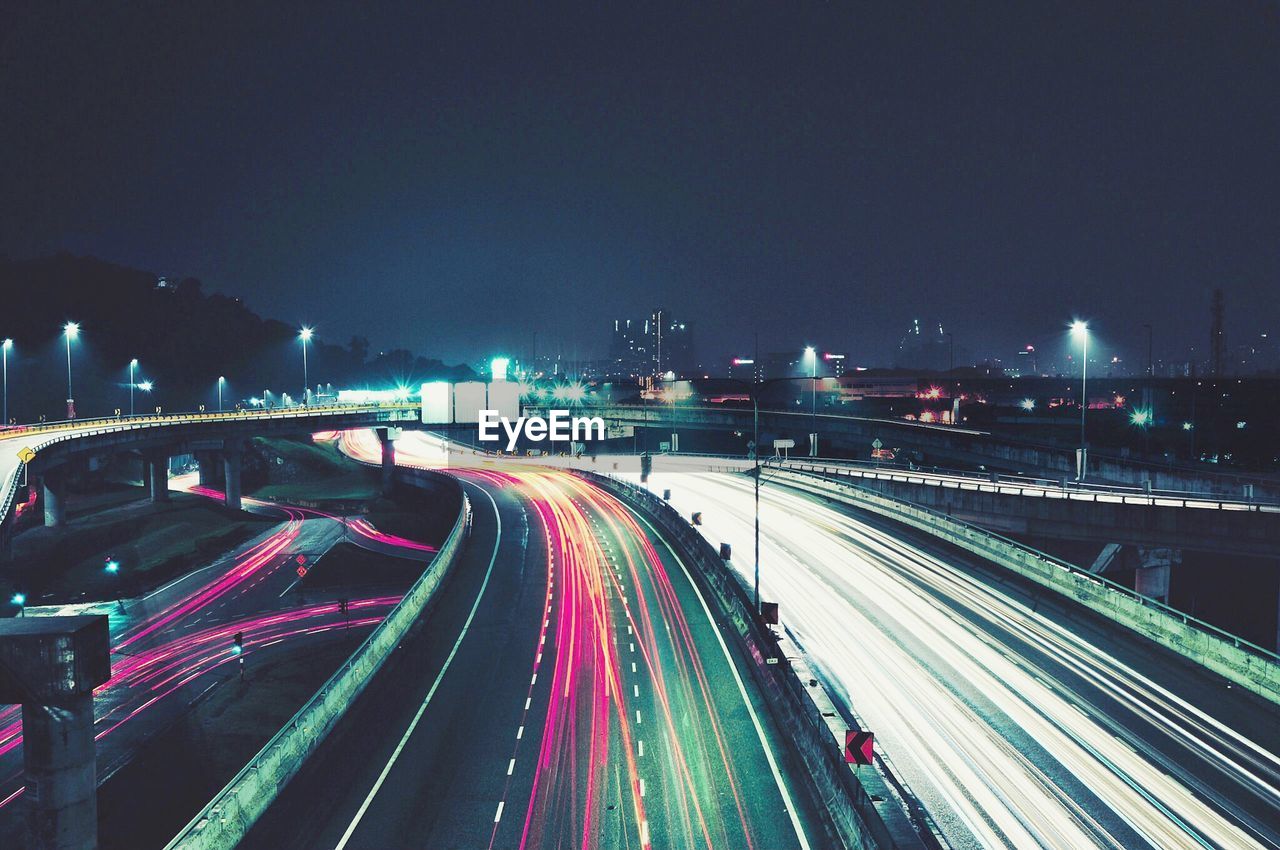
[4,351]
[71,331]
[133,382]
[221,383]
[305,335]
[811,355]
[1080,330]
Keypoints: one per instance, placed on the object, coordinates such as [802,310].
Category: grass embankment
[152,543]
[320,473]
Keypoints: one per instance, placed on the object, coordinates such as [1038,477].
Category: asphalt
[512,716]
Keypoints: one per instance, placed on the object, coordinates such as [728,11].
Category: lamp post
[304,334]
[812,356]
[1080,329]
[133,382]
[221,383]
[71,331]
[4,351]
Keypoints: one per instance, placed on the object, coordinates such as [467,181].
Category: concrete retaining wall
[1244,663]
[856,819]
[226,819]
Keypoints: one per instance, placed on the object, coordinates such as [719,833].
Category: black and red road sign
[859,746]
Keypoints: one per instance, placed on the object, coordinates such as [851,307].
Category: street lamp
[1080,330]
[133,382]
[146,386]
[20,600]
[221,383]
[71,330]
[4,351]
[812,356]
[305,335]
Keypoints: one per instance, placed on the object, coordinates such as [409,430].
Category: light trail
[975,694]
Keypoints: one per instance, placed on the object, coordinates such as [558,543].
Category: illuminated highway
[568,689]
[1016,725]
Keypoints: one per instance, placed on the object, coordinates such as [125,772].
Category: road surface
[1018,721]
[568,689]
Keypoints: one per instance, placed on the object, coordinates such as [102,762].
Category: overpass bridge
[39,455]
[942,445]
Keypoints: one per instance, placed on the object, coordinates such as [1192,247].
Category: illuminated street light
[4,351]
[498,368]
[71,330]
[305,334]
[133,382]
[20,600]
[1080,330]
[1140,417]
[811,356]
[146,386]
[221,383]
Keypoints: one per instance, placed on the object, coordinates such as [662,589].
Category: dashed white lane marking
[641,743]
[519,733]
[635,690]
[511,767]
[497,817]
[637,717]
[534,680]
[642,786]
[527,701]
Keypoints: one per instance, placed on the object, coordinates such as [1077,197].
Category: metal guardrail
[74,429]
[1083,574]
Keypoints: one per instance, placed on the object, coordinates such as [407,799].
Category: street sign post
[859,746]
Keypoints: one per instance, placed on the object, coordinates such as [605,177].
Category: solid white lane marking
[413,724]
[742,690]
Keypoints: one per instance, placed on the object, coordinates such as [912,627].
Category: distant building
[655,346]
[927,349]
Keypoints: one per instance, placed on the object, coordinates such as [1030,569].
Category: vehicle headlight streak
[844,584]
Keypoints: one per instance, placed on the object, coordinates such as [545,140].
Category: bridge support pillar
[232,461]
[209,468]
[54,483]
[158,475]
[388,436]
[1155,566]
[6,540]
[51,666]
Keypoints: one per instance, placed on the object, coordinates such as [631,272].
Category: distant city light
[1028,404]
[1187,426]
[1241,424]
[112,566]
[498,368]
[145,386]
[1140,417]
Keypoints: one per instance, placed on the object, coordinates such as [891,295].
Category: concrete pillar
[6,540]
[209,466]
[54,481]
[158,476]
[51,666]
[232,461]
[61,769]
[388,436]
[1155,567]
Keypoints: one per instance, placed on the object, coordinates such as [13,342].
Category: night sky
[449,178]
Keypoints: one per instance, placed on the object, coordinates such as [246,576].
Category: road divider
[860,811]
[229,816]
[1230,656]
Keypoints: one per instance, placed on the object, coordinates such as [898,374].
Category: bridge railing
[50,433]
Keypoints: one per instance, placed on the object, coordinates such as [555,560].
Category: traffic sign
[859,746]
[302,571]
[301,559]
[876,444]
[26,454]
